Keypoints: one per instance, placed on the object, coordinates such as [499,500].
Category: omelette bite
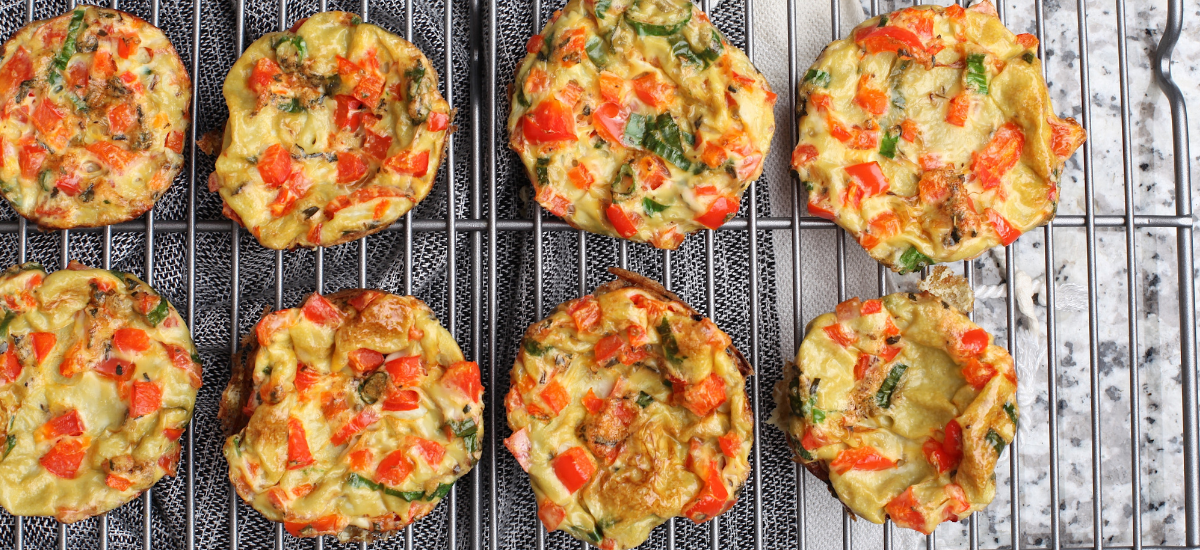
[639,120]
[928,134]
[903,406]
[629,408]
[352,415]
[94,106]
[98,379]
[336,129]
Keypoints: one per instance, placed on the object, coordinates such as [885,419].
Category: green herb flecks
[292,106]
[59,62]
[714,50]
[883,397]
[595,51]
[1028,57]
[463,428]
[1011,411]
[297,42]
[887,146]
[76,102]
[602,7]
[670,346]
[159,312]
[663,140]
[356,20]
[995,441]
[818,77]
[653,207]
[912,260]
[442,491]
[533,348]
[10,442]
[359,482]
[644,400]
[800,450]
[541,168]
[977,74]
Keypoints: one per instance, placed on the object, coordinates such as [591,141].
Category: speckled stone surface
[1155,401]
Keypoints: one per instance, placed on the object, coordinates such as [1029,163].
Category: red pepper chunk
[978,373]
[870,177]
[18,69]
[974,341]
[609,121]
[872,100]
[43,344]
[64,458]
[999,156]
[574,468]
[369,90]
[580,177]
[555,396]
[327,525]
[320,310]
[889,39]
[621,221]
[30,158]
[402,400]
[393,469]
[263,74]
[131,340]
[730,443]
[117,482]
[298,455]
[551,514]
[275,166]
[864,458]
[705,396]
[67,423]
[365,360]
[350,168]
[804,153]
[840,334]
[652,91]
[347,114]
[871,307]
[145,399]
[10,368]
[905,511]
[608,347]
[862,366]
[535,43]
[432,451]
[409,164]
[548,122]
[946,454]
[121,118]
[592,403]
[959,109]
[357,424]
[586,313]
[712,499]
[47,117]
[464,377]
[406,371]
[1007,233]
[718,212]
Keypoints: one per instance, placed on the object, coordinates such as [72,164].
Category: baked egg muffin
[336,129]
[928,134]
[903,406]
[629,408]
[98,379]
[94,106]
[639,120]
[352,415]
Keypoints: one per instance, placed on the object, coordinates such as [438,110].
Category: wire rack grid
[472,514]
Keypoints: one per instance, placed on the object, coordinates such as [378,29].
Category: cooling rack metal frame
[482,105]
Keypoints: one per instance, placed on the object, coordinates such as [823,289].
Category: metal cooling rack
[485,231]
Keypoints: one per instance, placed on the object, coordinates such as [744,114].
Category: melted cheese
[299,111]
[940,382]
[71,304]
[354,503]
[94,107]
[720,104]
[643,475]
[862,96]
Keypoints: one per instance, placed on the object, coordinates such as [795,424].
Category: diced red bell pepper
[47,117]
[840,334]
[871,99]
[889,39]
[719,211]
[328,525]
[812,440]
[402,400]
[363,299]
[978,373]
[406,371]
[974,341]
[376,145]
[263,74]
[369,90]
[409,163]
[945,454]
[393,469]
[298,455]
[817,208]
[121,118]
[360,460]
[705,396]
[1007,233]
[111,155]
[861,458]
[115,369]
[580,177]
[43,344]
[730,443]
[548,122]
[145,399]
[574,468]
[712,499]
[438,121]
[959,109]
[361,421]
[64,458]
[1027,41]
[609,121]
[592,403]
[520,446]
[889,352]
[131,340]
[905,511]
[849,309]
[999,156]
[350,168]
[67,423]
[555,396]
[535,43]
[103,65]
[464,377]
[30,158]
[117,482]
[608,347]
[10,368]
[320,310]
[275,166]
[909,130]
[347,115]
[870,177]
[803,154]
[551,514]
[586,313]
[18,69]
[862,366]
[365,360]
[654,92]
[612,87]
[871,307]
[431,451]
[621,221]
[1064,137]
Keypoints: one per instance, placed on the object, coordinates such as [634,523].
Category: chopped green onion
[818,77]
[601,7]
[1011,411]
[635,130]
[668,29]
[800,450]
[408,496]
[356,20]
[995,441]
[883,21]
[59,61]
[595,51]
[652,207]
[912,260]
[8,318]
[472,442]
[159,312]
[442,490]
[883,397]
[976,73]
[359,482]
[714,50]
[1027,57]
[10,442]
[670,346]
[644,400]
[292,106]
[532,347]
[463,428]
[76,102]
[663,140]
[540,168]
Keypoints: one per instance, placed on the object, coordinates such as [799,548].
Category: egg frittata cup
[98,380]
[902,406]
[336,129]
[94,107]
[352,415]
[639,120]
[928,134]
[629,408]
